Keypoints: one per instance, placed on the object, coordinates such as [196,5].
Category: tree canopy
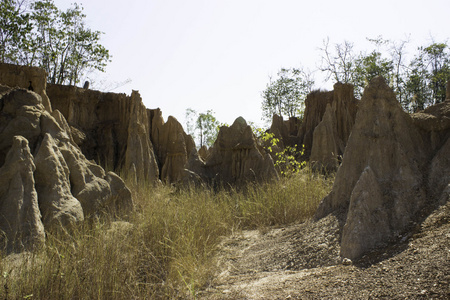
[58,41]
[418,82]
[286,94]
[203,127]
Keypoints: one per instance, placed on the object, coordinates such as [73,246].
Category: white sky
[218,54]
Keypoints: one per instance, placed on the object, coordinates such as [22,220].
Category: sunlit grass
[164,249]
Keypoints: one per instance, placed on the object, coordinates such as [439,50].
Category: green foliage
[418,84]
[203,127]
[15,25]
[57,41]
[287,161]
[286,158]
[368,67]
[286,95]
[428,76]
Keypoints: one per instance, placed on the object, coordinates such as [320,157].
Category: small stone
[346,262]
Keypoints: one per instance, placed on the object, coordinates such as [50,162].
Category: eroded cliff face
[327,124]
[31,78]
[173,146]
[315,106]
[391,170]
[45,179]
[236,158]
[285,130]
[122,135]
[113,129]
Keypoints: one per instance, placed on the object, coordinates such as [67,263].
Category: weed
[165,247]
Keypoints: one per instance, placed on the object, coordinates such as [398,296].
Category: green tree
[15,25]
[418,84]
[67,48]
[368,67]
[285,96]
[344,65]
[203,127]
[428,74]
[437,59]
[417,91]
[57,41]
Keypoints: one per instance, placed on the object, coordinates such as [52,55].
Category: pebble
[346,261]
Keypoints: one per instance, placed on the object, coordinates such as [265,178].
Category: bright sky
[219,54]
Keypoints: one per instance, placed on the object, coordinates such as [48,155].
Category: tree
[428,75]
[57,41]
[14,26]
[436,58]
[418,84]
[68,48]
[286,95]
[340,63]
[397,52]
[203,127]
[368,67]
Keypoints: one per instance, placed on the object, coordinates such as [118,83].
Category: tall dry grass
[165,247]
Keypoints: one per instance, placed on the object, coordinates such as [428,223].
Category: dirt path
[302,262]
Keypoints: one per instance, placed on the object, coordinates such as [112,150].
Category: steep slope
[382,185]
[46,180]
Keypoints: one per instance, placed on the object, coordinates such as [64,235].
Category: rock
[434,123]
[22,76]
[56,202]
[64,126]
[113,129]
[236,157]
[173,147]
[346,108]
[78,136]
[139,155]
[315,106]
[87,181]
[20,115]
[439,178]
[344,105]
[203,152]
[280,131]
[383,138]
[367,224]
[347,262]
[121,199]
[20,217]
[293,125]
[65,187]
[327,145]
[385,143]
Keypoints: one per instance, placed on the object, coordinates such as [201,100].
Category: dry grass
[163,250]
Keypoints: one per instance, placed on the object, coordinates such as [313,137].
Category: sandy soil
[303,262]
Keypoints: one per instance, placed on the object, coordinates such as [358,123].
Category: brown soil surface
[303,262]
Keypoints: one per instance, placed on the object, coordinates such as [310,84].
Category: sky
[219,54]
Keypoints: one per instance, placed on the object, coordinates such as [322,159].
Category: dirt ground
[303,262]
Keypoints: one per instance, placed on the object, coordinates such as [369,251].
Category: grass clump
[165,248]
